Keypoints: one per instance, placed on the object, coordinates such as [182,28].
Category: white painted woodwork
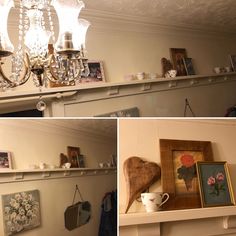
[149,96]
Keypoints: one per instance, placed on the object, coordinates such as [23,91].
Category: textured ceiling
[208,14]
[101,127]
[216,14]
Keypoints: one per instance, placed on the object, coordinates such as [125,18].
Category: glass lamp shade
[82,28]
[6,47]
[36,38]
[68,12]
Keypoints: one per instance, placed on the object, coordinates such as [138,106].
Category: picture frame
[73,155]
[5,160]
[17,216]
[189,66]
[177,56]
[215,184]
[96,72]
[179,174]
[80,160]
[233,62]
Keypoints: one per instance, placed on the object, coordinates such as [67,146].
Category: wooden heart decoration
[139,176]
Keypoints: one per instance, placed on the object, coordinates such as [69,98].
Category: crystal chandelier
[62,61]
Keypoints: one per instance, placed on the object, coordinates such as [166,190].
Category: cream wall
[129,52]
[141,138]
[34,141]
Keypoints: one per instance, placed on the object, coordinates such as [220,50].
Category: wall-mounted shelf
[90,92]
[150,223]
[8,176]
[113,88]
[179,215]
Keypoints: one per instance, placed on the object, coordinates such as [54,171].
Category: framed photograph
[177,56]
[21,211]
[80,160]
[5,160]
[189,66]
[179,173]
[96,72]
[215,185]
[73,156]
[233,62]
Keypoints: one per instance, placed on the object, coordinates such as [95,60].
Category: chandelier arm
[24,78]
[53,75]
[78,75]
[5,77]
[27,73]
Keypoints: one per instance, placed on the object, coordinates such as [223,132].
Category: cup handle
[167,198]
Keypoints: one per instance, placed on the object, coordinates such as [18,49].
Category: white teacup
[42,165]
[67,165]
[217,70]
[140,75]
[153,201]
[171,74]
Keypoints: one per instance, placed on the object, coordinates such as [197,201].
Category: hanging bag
[77,214]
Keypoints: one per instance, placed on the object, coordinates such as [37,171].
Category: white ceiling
[194,14]
[101,127]
[214,14]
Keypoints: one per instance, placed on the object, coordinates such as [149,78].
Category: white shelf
[8,176]
[179,215]
[113,87]
[14,100]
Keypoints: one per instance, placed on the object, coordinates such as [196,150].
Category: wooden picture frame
[178,163]
[177,56]
[96,73]
[73,154]
[215,184]
[5,160]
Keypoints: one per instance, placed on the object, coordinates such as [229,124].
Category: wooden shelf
[8,176]
[170,216]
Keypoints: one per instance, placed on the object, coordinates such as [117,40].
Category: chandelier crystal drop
[62,61]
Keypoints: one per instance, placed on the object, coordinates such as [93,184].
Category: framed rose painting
[179,173]
[215,184]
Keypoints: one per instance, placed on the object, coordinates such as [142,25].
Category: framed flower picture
[233,61]
[21,211]
[179,173]
[215,185]
[189,66]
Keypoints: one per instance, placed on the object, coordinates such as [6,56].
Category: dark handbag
[77,214]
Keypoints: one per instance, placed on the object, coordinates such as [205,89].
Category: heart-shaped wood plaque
[139,176]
